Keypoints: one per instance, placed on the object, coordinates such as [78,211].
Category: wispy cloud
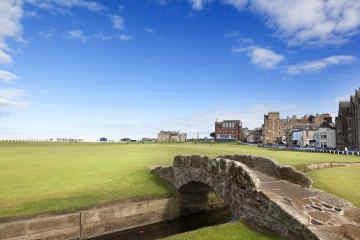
[7,77]
[118,22]
[80,35]
[48,34]
[262,57]
[239,4]
[125,37]
[309,21]
[5,58]
[319,64]
[57,5]
[102,36]
[198,4]
[11,97]
[246,40]
[77,34]
[237,35]
[232,34]
[149,30]
[31,14]
[11,13]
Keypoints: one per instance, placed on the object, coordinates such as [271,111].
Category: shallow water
[168,228]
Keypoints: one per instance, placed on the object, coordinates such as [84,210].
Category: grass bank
[342,181]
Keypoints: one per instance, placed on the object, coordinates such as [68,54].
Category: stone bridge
[265,195]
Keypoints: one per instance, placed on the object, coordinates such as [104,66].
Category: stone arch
[194,197]
[232,181]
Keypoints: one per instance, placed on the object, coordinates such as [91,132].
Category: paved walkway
[330,217]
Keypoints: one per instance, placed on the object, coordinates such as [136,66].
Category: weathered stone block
[179,161]
[196,161]
[53,223]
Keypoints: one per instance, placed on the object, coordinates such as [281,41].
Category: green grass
[343,182]
[42,177]
[230,231]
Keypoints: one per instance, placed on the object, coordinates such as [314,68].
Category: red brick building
[228,130]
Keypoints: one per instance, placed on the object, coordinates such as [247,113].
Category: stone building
[254,136]
[325,137]
[348,123]
[229,130]
[308,136]
[277,129]
[171,136]
[320,119]
[303,137]
[274,128]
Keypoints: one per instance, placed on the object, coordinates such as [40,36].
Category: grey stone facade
[348,123]
[171,136]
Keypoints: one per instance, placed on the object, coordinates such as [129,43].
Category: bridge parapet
[272,168]
[204,168]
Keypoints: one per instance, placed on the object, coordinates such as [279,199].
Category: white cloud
[246,40]
[237,35]
[103,37]
[5,58]
[262,57]
[311,21]
[319,64]
[31,14]
[10,27]
[232,34]
[77,34]
[118,22]
[149,30]
[47,34]
[197,4]
[90,5]
[58,4]
[7,77]
[125,37]
[239,4]
[11,97]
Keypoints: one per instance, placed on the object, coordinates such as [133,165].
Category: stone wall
[272,168]
[317,166]
[62,227]
[92,222]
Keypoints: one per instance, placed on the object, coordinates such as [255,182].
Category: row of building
[317,131]
[313,130]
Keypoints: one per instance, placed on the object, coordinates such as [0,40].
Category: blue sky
[130,68]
